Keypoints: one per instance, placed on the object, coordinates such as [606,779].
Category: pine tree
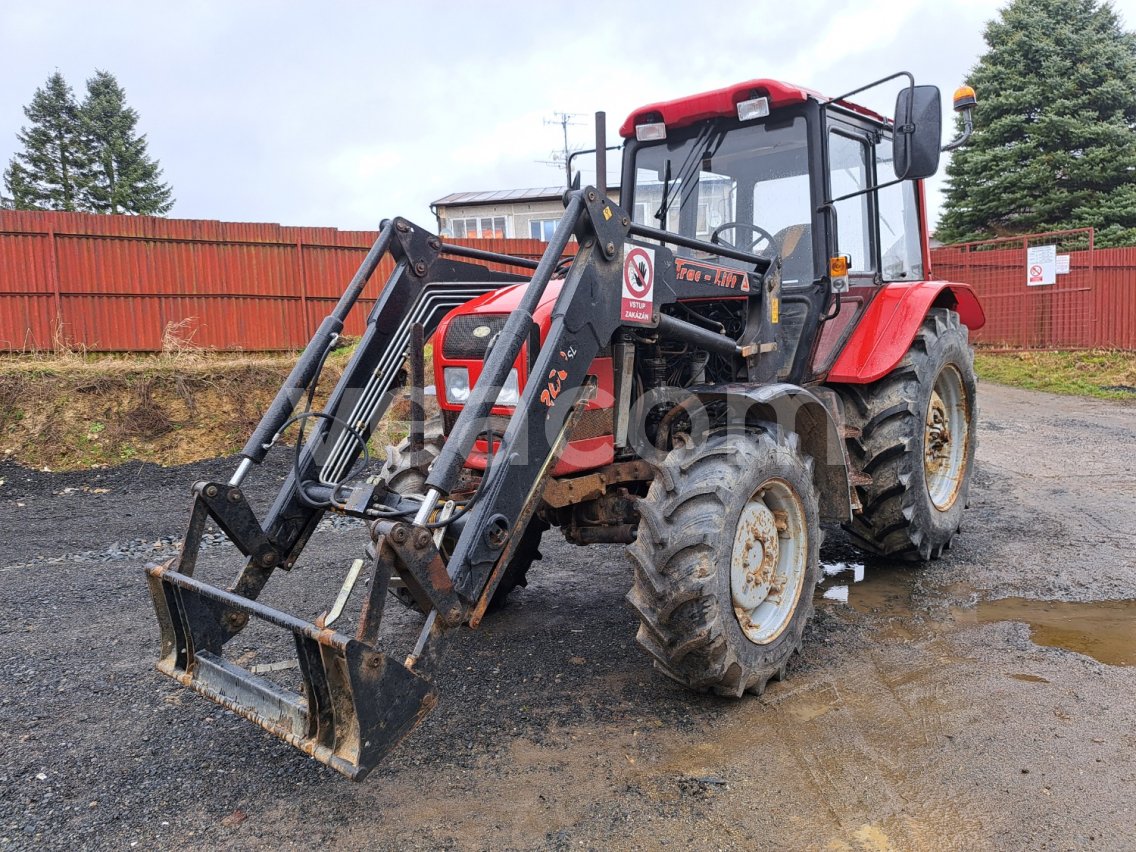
[124,179]
[1054,145]
[50,173]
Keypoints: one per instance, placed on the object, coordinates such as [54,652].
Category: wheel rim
[946,438]
[767,565]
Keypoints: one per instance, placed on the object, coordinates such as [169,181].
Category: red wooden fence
[1093,305]
[115,283]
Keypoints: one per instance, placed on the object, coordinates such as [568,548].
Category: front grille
[497,423]
[593,423]
[469,335]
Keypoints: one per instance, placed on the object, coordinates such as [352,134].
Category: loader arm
[585,316]
[423,287]
[358,701]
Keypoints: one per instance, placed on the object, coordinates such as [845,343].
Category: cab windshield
[746,184]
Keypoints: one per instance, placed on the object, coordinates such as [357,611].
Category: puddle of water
[1103,630]
[835,569]
[881,590]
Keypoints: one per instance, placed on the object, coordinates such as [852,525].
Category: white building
[533,213]
[503,213]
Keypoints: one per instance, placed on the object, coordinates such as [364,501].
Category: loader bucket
[357,702]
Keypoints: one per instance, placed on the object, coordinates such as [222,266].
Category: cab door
[878,231]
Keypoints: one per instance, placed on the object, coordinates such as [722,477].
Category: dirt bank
[68,413]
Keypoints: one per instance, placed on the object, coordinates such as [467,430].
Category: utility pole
[564,119]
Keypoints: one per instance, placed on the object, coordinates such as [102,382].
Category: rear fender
[801,412]
[885,331]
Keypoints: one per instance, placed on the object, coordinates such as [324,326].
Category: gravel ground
[907,723]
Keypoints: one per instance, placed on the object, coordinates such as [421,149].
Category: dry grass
[177,341]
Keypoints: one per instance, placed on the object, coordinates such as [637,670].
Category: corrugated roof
[542,193]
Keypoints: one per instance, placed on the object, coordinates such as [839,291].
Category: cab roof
[691,109]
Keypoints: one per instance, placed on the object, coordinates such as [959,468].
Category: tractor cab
[778,170]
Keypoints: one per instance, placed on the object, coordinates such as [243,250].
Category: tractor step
[357,703]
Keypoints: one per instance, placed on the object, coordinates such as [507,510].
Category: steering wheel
[762,235]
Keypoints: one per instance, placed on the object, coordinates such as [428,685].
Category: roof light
[753,108]
[651,131]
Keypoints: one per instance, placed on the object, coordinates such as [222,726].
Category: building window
[484,227]
[542,229]
[645,211]
[702,230]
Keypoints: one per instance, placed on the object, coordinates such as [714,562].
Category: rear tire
[918,436]
[724,525]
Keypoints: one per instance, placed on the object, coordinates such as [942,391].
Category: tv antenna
[564,119]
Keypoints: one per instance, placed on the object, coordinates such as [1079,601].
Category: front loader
[744,347]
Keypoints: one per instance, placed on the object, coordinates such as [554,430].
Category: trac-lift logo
[638,285]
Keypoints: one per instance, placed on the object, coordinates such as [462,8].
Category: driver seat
[795,244]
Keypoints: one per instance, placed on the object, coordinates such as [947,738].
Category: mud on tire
[682,561]
[914,504]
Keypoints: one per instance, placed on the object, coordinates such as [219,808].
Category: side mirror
[918,132]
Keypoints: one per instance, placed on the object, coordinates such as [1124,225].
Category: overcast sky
[341,114]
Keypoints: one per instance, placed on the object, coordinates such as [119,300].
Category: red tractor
[744,347]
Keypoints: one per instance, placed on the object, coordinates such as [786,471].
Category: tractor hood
[506,300]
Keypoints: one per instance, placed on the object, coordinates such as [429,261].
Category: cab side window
[850,171]
[901,256]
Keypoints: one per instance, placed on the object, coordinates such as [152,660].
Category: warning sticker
[638,284]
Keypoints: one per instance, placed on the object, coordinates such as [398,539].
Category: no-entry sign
[638,284]
[1041,265]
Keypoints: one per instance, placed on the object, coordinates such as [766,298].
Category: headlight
[510,394]
[457,387]
[457,384]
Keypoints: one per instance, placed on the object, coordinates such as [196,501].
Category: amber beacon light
[964,102]
[964,98]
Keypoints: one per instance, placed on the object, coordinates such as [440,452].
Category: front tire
[404,473]
[726,561]
[917,440]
